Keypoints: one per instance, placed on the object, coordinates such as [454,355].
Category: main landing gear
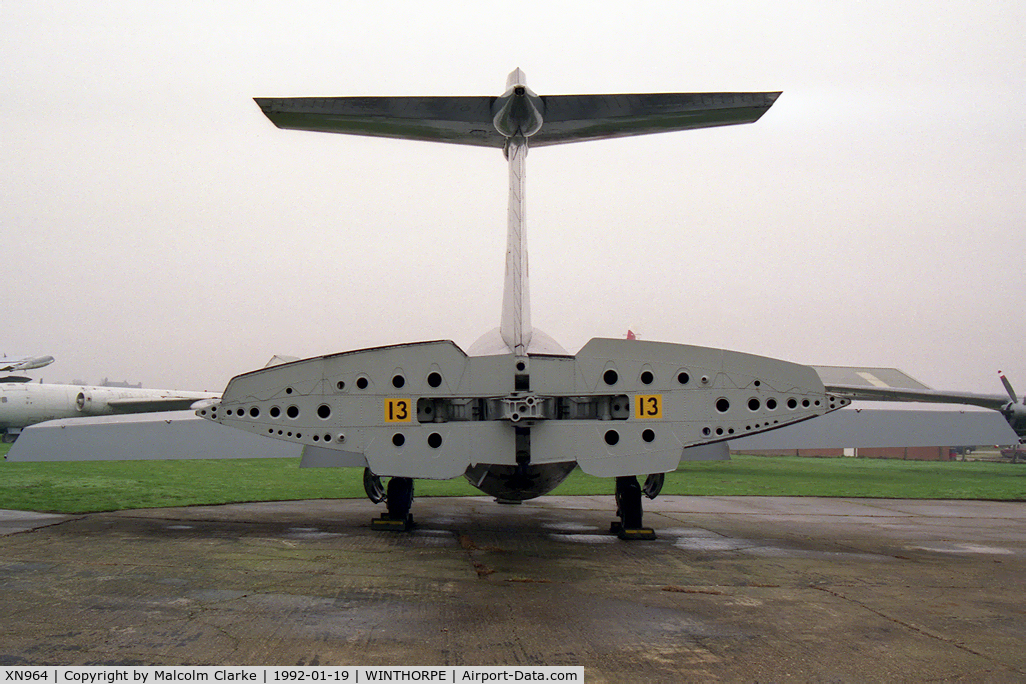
[628,506]
[398,498]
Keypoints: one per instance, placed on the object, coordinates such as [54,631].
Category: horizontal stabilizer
[469,120]
[463,120]
[575,118]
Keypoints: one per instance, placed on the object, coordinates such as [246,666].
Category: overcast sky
[159,229]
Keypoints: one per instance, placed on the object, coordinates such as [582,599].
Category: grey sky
[159,228]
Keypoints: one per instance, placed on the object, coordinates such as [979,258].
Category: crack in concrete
[919,629]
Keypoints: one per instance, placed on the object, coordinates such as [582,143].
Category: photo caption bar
[354,674]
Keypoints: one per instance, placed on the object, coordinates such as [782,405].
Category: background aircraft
[26,403]
[1009,405]
[14,364]
[517,413]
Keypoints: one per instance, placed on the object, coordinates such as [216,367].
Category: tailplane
[514,121]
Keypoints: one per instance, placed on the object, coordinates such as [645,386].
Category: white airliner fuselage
[26,403]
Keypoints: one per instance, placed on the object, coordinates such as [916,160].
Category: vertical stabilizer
[516,305]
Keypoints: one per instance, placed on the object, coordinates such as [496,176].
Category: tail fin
[512,121]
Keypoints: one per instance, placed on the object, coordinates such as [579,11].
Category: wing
[23,363]
[990,401]
[889,384]
[150,404]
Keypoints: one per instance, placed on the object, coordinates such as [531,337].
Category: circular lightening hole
[292,411]
[792,403]
[758,383]
[683,378]
[228,412]
[647,377]
[434,440]
[434,379]
[719,431]
[288,390]
[706,431]
[327,438]
[299,435]
[361,383]
[270,431]
[805,403]
[610,377]
[612,436]
[648,435]
[323,411]
[398,439]
[341,438]
[722,405]
[254,412]
[521,366]
[398,381]
[316,438]
[340,385]
[771,404]
[275,412]
[753,404]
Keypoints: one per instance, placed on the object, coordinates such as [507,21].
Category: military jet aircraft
[516,413]
[27,403]
[15,364]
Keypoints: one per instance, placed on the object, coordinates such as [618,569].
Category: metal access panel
[677,396]
[368,403]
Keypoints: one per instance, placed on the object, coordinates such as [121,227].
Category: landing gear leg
[399,500]
[628,508]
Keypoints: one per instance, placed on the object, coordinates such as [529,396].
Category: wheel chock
[385,523]
[639,533]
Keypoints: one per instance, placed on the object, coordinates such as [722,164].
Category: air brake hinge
[518,407]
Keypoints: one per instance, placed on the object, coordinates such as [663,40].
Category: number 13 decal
[648,406]
[397,410]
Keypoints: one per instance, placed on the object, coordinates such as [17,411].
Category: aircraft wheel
[399,498]
[653,485]
[373,487]
[628,502]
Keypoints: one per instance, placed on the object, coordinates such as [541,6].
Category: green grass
[105,486]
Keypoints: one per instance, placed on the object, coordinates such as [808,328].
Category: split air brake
[428,410]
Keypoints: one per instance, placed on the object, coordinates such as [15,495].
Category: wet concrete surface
[734,589]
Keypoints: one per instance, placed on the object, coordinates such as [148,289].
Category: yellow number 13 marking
[648,406]
[397,410]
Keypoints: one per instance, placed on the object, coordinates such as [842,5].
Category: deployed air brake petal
[427,410]
[679,396]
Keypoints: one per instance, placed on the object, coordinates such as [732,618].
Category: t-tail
[515,121]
